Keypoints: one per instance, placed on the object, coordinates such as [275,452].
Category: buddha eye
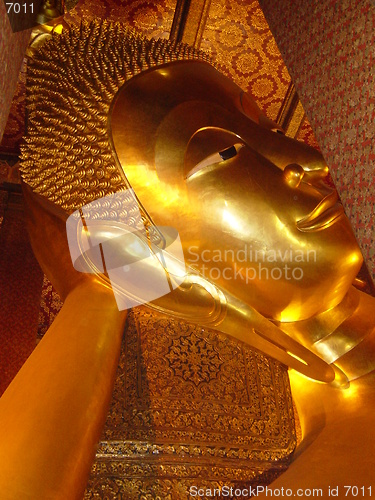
[213,159]
[228,153]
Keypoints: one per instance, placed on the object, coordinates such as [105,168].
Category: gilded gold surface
[176,120]
[83,159]
[338,437]
[67,168]
[296,217]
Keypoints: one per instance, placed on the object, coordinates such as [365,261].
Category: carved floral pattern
[191,407]
[193,358]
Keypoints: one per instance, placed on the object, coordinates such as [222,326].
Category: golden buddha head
[253,215]
[200,156]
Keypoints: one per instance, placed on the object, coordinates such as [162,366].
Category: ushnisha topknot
[72,80]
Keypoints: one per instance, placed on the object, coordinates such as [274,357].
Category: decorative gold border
[189,21]
[291,114]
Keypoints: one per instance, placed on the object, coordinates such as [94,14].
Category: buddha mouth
[328,210]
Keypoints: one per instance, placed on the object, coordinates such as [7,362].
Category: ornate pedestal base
[191,408]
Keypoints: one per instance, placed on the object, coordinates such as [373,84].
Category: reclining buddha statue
[151,178]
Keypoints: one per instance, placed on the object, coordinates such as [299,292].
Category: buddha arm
[52,414]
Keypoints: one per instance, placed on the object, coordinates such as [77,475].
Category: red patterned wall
[12,49]
[239,39]
[329,49]
[151,18]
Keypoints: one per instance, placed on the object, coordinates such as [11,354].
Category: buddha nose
[293,174]
[318,178]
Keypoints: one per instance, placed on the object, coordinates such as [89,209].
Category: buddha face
[251,206]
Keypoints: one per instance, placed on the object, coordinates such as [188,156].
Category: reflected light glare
[291,313]
[354,257]
[137,247]
[298,380]
[91,233]
[165,194]
[351,392]
[58,29]
[231,219]
[326,352]
[297,357]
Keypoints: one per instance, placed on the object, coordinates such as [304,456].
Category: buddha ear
[205,142]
